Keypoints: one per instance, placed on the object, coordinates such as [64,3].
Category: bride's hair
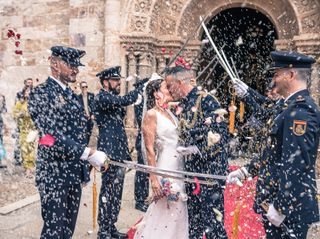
[151,88]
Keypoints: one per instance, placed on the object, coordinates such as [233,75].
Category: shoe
[119,235]
[141,206]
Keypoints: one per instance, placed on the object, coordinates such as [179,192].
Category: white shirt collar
[64,87]
[292,95]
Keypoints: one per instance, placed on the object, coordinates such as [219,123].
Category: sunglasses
[84,87]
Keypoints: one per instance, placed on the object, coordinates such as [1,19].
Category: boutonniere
[220,115]
[61,101]
[213,138]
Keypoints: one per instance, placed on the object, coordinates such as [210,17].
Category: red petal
[17,43]
[170,53]
[18,36]
[10,33]
[18,52]
[163,50]
[47,140]
[196,191]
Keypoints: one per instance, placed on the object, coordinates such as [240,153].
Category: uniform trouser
[89,129]
[300,230]
[59,209]
[110,200]
[141,183]
[202,218]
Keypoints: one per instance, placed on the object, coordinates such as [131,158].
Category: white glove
[97,159]
[237,176]
[240,87]
[275,217]
[188,150]
[33,134]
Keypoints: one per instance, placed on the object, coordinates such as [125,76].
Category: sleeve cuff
[85,154]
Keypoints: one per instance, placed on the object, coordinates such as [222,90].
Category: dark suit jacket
[90,102]
[60,115]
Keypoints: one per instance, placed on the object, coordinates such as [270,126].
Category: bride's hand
[156,188]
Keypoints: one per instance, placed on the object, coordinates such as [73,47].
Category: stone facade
[139,35]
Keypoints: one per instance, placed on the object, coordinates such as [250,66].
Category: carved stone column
[310,44]
[145,65]
[112,26]
[161,63]
[132,70]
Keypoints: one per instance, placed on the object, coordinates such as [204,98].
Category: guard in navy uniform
[62,164]
[109,113]
[203,138]
[141,182]
[86,99]
[286,191]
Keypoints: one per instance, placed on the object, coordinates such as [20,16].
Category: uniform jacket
[110,112]
[197,107]
[287,171]
[59,114]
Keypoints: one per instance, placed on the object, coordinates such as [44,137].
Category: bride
[167,216]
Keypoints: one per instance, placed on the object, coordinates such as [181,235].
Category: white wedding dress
[166,219]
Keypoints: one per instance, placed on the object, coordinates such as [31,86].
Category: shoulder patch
[299,127]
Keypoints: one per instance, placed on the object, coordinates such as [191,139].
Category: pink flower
[10,33]
[196,191]
[17,43]
[47,140]
[18,52]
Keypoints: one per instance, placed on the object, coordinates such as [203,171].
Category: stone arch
[281,14]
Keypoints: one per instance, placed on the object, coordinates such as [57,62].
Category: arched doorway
[247,36]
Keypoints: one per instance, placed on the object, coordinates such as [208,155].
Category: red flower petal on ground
[18,36]
[10,33]
[196,191]
[18,52]
[47,140]
[17,43]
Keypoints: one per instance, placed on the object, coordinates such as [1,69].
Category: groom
[197,122]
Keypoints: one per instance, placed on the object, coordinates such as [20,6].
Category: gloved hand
[140,83]
[275,217]
[240,87]
[97,159]
[237,176]
[188,150]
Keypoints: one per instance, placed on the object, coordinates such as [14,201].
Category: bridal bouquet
[172,191]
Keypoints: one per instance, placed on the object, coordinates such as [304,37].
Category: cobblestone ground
[26,223]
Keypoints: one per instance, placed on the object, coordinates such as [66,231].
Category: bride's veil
[153,77]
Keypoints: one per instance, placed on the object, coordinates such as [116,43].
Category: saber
[226,61]
[175,174]
[190,174]
[224,65]
[234,68]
